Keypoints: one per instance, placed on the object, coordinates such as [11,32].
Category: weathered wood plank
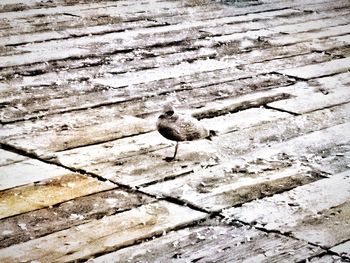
[34,7]
[342,249]
[268,134]
[289,211]
[326,259]
[222,187]
[306,36]
[118,149]
[236,183]
[67,214]
[289,23]
[101,236]
[342,18]
[115,20]
[219,27]
[70,48]
[105,95]
[203,11]
[213,242]
[132,78]
[240,120]
[326,228]
[144,165]
[80,7]
[7,158]
[318,70]
[108,123]
[73,133]
[334,160]
[323,93]
[258,152]
[309,147]
[99,45]
[22,38]
[48,192]
[88,93]
[27,171]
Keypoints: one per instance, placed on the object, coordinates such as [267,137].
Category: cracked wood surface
[82,174]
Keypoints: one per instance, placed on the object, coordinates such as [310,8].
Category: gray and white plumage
[179,127]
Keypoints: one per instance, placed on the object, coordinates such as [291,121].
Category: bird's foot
[169,159]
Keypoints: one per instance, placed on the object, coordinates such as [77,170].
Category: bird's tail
[211,134]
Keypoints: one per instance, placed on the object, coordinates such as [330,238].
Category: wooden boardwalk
[82,175]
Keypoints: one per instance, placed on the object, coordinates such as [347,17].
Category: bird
[180,127]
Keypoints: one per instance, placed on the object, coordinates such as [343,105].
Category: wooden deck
[82,175]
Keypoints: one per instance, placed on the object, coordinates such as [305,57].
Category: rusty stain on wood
[47,193]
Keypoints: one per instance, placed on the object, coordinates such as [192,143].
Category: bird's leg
[169,159]
[176,146]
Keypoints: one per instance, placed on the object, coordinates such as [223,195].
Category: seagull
[179,127]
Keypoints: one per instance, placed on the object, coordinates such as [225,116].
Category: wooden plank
[318,70]
[243,59]
[88,93]
[27,171]
[108,123]
[289,211]
[259,9]
[287,23]
[115,20]
[271,66]
[101,236]
[316,24]
[178,14]
[70,46]
[22,38]
[67,214]
[335,161]
[15,5]
[83,132]
[306,36]
[145,164]
[327,228]
[134,62]
[221,187]
[48,192]
[326,259]
[309,147]
[101,44]
[268,134]
[209,243]
[108,16]
[132,78]
[259,14]
[72,133]
[133,146]
[324,92]
[235,182]
[342,249]
[240,120]
[7,158]
[80,7]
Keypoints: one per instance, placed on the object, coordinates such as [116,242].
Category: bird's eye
[170,113]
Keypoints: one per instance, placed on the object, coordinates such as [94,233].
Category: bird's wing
[191,128]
